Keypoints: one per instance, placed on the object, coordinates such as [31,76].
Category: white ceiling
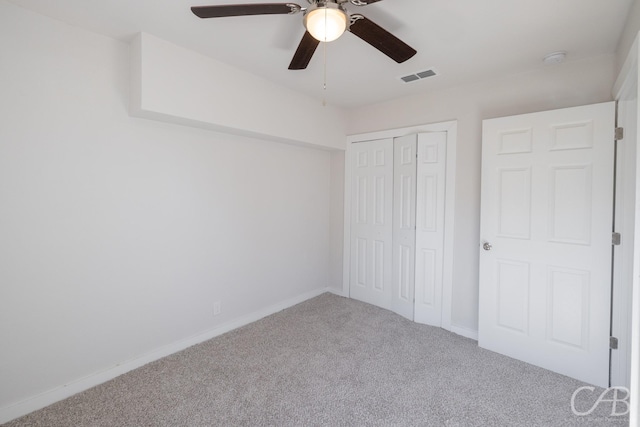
[464,40]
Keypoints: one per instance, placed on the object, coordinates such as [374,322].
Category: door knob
[486,246]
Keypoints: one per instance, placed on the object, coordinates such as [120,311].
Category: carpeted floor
[331,361]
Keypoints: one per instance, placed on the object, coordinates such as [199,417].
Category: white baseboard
[49,397]
[337,291]
[465,332]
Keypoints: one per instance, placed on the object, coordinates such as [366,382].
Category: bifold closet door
[397,224]
[430,221]
[371,222]
[404,225]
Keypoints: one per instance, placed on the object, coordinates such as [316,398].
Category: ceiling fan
[324,20]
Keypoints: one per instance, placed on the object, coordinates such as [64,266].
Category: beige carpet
[330,361]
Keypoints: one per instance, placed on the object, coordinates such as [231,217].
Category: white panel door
[371,222]
[404,225]
[431,170]
[545,257]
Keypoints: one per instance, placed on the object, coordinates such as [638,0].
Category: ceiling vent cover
[419,76]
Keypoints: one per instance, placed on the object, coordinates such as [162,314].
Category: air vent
[419,76]
[410,78]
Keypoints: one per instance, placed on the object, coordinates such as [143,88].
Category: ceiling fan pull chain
[324,50]
[324,86]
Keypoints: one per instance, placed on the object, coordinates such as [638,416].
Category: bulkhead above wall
[173,84]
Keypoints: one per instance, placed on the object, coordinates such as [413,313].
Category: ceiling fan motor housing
[326,21]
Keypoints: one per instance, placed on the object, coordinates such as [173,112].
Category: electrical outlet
[217,308]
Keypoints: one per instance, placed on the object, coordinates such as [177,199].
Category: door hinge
[619,134]
[615,239]
[613,343]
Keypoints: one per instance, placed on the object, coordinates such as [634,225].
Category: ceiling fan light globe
[326,24]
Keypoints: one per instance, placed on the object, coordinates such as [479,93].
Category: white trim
[451,127]
[337,292]
[449,209]
[634,400]
[626,260]
[346,250]
[465,332]
[49,397]
[624,224]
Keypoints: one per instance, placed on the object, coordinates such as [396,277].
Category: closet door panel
[371,222]
[404,225]
[430,204]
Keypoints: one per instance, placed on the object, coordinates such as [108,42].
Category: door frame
[451,128]
[626,88]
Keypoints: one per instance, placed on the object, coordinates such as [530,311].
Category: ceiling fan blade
[245,9]
[363,2]
[304,53]
[381,39]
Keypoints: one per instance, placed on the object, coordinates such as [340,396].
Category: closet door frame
[450,127]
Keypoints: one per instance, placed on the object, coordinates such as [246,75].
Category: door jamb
[627,85]
[451,127]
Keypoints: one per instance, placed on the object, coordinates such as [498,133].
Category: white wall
[565,85]
[117,234]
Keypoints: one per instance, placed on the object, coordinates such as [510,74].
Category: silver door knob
[486,246]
